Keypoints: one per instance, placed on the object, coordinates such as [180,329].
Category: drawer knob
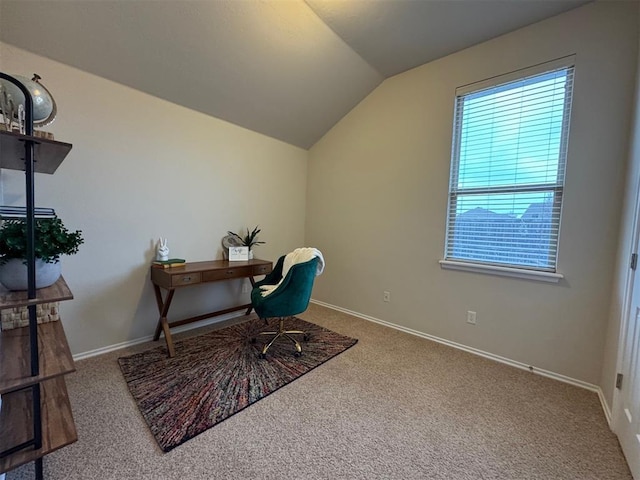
[186,279]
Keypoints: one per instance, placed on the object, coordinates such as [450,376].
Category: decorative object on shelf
[52,239]
[249,240]
[43,134]
[21,119]
[228,242]
[19,316]
[7,107]
[238,253]
[9,212]
[13,274]
[44,106]
[163,250]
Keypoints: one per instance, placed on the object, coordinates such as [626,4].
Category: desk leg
[167,336]
[163,324]
[253,284]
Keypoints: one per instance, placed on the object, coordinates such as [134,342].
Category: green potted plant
[248,240]
[52,239]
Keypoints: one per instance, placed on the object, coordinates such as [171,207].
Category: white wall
[141,168]
[377,199]
[625,246]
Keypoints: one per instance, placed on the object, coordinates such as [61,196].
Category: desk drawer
[261,269]
[224,273]
[185,279]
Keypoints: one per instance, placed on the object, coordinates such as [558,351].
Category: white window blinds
[507,170]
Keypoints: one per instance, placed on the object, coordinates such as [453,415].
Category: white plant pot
[13,274]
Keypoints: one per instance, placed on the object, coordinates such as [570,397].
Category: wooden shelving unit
[53,350]
[49,154]
[16,418]
[35,414]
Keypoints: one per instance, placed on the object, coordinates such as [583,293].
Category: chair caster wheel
[297,354]
[262,355]
[253,340]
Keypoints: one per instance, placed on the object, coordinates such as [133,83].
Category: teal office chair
[289,299]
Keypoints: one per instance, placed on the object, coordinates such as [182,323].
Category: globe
[44,107]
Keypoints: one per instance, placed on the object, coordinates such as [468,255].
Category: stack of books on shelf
[172,262]
[10,212]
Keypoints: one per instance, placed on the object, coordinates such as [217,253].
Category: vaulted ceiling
[289,69]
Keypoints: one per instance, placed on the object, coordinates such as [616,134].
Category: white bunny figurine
[163,249]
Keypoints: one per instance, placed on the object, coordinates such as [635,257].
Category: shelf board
[55,293]
[48,154]
[16,418]
[53,352]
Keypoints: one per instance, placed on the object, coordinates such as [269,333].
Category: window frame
[547,274]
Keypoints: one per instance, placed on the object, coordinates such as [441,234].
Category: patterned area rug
[215,375]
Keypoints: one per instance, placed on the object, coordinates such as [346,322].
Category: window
[507,169]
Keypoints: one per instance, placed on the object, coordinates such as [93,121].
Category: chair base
[286,334]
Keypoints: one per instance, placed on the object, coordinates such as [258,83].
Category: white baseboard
[147,338]
[605,408]
[481,353]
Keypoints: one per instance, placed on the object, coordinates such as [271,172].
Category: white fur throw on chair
[299,255]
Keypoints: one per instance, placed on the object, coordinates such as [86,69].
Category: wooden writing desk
[195,273]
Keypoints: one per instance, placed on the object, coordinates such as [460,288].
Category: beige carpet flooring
[394,406]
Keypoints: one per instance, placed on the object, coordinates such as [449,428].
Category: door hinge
[634,261]
[619,381]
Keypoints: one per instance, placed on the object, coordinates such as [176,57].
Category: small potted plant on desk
[52,239]
[249,240]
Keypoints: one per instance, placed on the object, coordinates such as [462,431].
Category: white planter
[13,274]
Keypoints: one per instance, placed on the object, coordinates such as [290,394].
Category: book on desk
[172,262]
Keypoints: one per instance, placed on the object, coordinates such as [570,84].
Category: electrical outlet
[386,296]
[471,317]
[246,287]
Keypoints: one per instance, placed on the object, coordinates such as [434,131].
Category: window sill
[548,277]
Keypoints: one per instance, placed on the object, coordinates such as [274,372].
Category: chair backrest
[292,295]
